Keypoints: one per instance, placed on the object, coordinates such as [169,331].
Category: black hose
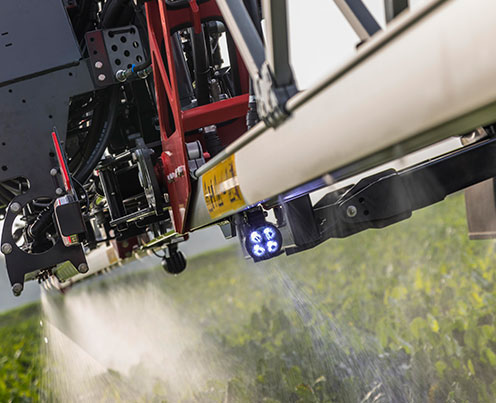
[142,66]
[41,222]
[116,13]
[94,154]
[134,70]
[201,67]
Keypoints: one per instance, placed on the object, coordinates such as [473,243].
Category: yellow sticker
[221,188]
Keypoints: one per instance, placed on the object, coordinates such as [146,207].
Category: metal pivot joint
[275,84]
[272,98]
[268,65]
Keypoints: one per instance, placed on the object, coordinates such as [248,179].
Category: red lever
[195,16]
[62,162]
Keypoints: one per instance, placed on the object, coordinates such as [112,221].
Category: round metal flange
[83,268]
[6,248]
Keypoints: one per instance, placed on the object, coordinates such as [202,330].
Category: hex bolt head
[6,248]
[59,191]
[101,77]
[83,268]
[54,171]
[17,289]
[15,207]
[98,65]
[351,211]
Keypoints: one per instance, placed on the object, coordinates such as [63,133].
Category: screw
[59,191]
[6,248]
[99,65]
[83,268]
[54,171]
[101,77]
[17,289]
[15,207]
[351,211]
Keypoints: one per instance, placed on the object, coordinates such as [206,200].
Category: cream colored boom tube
[430,76]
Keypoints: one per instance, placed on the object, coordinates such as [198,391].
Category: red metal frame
[173,121]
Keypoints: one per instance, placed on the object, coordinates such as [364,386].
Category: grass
[400,314]
[20,339]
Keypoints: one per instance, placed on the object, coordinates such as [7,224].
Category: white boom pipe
[430,76]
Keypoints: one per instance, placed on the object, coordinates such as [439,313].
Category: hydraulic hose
[41,223]
[91,158]
[116,13]
[201,67]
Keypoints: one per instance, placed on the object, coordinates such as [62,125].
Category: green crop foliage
[20,369]
[400,314]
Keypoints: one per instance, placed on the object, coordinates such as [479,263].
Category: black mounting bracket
[112,50]
[391,196]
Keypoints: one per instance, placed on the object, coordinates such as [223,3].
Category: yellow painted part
[221,188]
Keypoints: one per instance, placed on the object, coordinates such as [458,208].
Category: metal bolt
[101,77]
[59,191]
[15,207]
[351,211]
[121,75]
[6,248]
[17,289]
[83,268]
[98,65]
[54,171]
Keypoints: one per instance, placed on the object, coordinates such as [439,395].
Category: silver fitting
[121,75]
[144,73]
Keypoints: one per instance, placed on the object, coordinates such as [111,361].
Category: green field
[401,314]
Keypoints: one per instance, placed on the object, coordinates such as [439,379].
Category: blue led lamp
[263,242]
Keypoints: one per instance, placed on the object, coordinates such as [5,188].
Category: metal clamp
[271,98]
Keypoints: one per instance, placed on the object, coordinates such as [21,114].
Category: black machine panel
[25,52]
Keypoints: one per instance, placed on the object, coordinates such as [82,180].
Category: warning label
[221,189]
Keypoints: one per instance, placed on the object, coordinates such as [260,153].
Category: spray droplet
[41,323]
[46,340]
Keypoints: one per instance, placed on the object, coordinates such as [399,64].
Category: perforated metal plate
[112,50]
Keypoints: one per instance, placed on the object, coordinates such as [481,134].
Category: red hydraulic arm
[174,122]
